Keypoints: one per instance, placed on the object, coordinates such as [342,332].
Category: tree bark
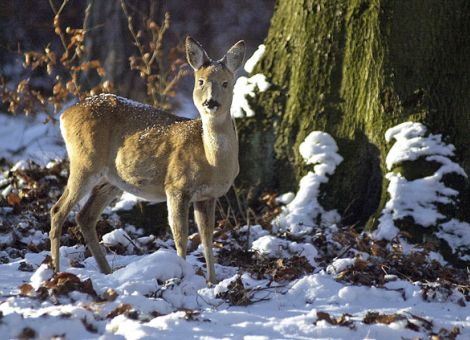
[355,69]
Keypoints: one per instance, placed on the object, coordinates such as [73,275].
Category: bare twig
[160,80]
[64,70]
[237,197]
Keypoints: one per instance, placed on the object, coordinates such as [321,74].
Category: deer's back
[136,146]
[101,123]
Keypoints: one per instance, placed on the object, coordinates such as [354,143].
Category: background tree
[355,69]
[215,24]
[109,41]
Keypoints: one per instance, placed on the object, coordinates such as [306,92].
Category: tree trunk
[109,40]
[355,69]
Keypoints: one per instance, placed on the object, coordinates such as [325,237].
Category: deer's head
[214,80]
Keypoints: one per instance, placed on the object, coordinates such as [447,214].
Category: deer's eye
[225,84]
[201,82]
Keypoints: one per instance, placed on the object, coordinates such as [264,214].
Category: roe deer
[115,145]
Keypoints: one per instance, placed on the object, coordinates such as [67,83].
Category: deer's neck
[220,141]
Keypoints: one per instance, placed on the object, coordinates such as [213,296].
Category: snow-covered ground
[152,293]
[28,138]
[159,295]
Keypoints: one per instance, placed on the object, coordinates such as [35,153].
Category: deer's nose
[211,103]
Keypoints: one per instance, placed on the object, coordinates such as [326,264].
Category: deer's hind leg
[100,198]
[79,184]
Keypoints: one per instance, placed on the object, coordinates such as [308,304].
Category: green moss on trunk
[354,69]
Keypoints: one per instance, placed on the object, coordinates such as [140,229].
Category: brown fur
[117,145]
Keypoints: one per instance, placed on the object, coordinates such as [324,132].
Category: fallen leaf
[325,316]
[63,283]
[13,199]
[375,317]
[344,320]
[26,289]
[121,309]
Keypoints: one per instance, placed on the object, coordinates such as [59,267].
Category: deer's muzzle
[211,104]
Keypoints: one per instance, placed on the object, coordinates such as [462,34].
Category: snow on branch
[246,86]
[253,60]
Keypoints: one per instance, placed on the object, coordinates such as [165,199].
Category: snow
[456,234]
[247,86]
[300,215]
[122,100]
[290,312]
[42,274]
[29,138]
[118,237]
[255,232]
[20,165]
[281,248]
[161,266]
[158,285]
[126,202]
[285,198]
[420,198]
[253,60]
[7,190]
[339,265]
[412,142]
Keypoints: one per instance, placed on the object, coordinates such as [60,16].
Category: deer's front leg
[204,213]
[178,208]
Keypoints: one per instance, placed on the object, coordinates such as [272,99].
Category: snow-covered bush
[304,211]
[420,165]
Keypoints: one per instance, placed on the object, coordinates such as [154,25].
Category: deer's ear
[234,57]
[195,54]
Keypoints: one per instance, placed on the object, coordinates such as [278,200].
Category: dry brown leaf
[26,289]
[60,279]
[376,249]
[191,314]
[13,199]
[63,283]
[237,294]
[343,320]
[195,241]
[325,316]
[87,288]
[375,317]
[343,274]
[425,322]
[360,264]
[121,309]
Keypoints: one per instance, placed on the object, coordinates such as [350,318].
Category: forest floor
[335,282]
